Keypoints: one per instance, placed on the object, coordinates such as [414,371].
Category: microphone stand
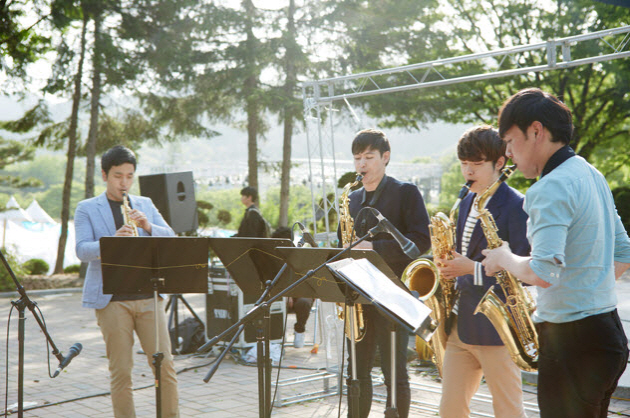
[263,308]
[21,305]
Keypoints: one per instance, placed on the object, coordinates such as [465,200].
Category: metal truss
[320,96]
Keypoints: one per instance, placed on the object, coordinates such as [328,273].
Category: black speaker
[174,196]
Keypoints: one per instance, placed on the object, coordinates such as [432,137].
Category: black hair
[531,105]
[282,232]
[116,156]
[481,143]
[251,192]
[370,139]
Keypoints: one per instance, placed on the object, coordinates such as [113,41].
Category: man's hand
[495,259]
[140,219]
[124,231]
[458,266]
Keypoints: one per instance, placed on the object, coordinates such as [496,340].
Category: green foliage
[36,266]
[21,43]
[348,177]
[622,202]
[596,93]
[224,217]
[6,282]
[12,151]
[72,268]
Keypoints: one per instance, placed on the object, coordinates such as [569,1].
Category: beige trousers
[465,364]
[118,321]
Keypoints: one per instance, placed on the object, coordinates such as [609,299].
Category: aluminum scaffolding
[320,96]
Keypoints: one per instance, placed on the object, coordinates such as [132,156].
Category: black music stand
[399,305]
[134,265]
[332,286]
[257,268]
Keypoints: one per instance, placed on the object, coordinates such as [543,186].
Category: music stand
[257,268]
[135,265]
[399,305]
[251,261]
[332,287]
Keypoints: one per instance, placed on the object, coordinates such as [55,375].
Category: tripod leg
[190,309]
[391,411]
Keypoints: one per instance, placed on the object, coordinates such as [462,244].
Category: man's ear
[538,129]
[104,174]
[386,156]
[501,162]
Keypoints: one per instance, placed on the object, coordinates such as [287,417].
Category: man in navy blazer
[474,349]
[119,315]
[402,204]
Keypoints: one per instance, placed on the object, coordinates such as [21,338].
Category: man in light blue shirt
[579,248]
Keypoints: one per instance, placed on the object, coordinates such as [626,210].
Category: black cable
[284,335]
[6,365]
[47,342]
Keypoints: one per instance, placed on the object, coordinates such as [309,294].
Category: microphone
[408,247]
[306,236]
[74,351]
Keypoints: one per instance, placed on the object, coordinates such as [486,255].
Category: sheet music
[382,291]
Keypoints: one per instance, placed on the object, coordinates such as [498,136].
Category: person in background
[253,224]
[579,248]
[474,348]
[119,315]
[300,306]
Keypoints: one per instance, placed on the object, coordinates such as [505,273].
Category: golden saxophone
[422,275]
[511,319]
[346,225]
[125,208]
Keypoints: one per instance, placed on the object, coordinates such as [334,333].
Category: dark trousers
[580,363]
[377,333]
[302,309]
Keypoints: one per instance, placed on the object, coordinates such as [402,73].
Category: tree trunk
[289,113]
[72,149]
[252,108]
[90,147]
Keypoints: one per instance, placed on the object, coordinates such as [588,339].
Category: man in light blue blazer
[119,315]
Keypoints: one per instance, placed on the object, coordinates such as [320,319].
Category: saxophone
[346,225]
[422,275]
[511,319]
[125,208]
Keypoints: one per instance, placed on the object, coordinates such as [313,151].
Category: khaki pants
[464,366]
[118,321]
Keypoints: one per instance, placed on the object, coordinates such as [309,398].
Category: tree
[72,148]
[12,152]
[596,93]
[292,61]
[22,43]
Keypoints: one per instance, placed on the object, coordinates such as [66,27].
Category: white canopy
[14,212]
[38,214]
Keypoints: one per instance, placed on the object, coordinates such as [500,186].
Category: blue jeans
[378,330]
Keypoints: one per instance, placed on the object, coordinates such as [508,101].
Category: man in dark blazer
[402,204]
[474,349]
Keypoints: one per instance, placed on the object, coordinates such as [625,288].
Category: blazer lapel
[106,212]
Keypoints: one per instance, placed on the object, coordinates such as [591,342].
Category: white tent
[13,213]
[38,214]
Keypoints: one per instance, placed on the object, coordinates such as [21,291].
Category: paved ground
[82,388]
